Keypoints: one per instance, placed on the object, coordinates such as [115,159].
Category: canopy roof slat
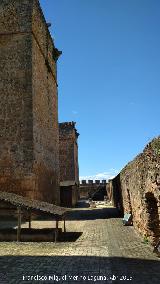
[18,200]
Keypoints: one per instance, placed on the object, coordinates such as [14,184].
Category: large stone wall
[68,159]
[137,190]
[29,162]
[16,141]
[68,150]
[45,110]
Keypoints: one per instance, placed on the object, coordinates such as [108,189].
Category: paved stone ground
[104,248]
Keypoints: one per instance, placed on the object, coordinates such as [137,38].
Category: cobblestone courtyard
[104,248]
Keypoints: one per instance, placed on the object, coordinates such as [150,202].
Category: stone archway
[153,222]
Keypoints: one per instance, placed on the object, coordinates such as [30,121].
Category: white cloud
[111,173]
[74,112]
[132,103]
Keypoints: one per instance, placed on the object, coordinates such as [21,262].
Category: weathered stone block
[29,134]
[136,190]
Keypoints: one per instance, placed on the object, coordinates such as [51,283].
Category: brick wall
[29,163]
[136,190]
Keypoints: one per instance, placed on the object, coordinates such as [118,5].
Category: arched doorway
[153,217]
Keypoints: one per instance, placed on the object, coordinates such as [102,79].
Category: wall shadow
[93,214]
[16,269]
[82,203]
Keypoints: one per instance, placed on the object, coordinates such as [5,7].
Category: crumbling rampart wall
[136,190]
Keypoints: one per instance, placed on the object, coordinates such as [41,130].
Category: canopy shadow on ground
[38,235]
[13,269]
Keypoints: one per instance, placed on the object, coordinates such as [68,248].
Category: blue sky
[109,77]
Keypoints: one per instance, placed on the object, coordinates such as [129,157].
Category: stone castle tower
[68,152]
[69,169]
[29,135]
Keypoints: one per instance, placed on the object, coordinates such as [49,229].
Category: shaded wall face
[139,186]
[66,196]
[66,160]
[16,135]
[69,195]
[29,163]
[68,152]
[86,191]
[45,113]
[76,165]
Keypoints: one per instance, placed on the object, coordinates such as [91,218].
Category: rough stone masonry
[29,149]
[136,190]
[68,152]
[69,169]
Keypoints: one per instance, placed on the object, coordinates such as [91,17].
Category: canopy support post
[29,219]
[19,224]
[64,224]
[56,231]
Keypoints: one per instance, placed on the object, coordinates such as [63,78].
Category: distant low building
[68,158]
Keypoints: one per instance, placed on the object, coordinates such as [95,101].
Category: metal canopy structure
[22,203]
